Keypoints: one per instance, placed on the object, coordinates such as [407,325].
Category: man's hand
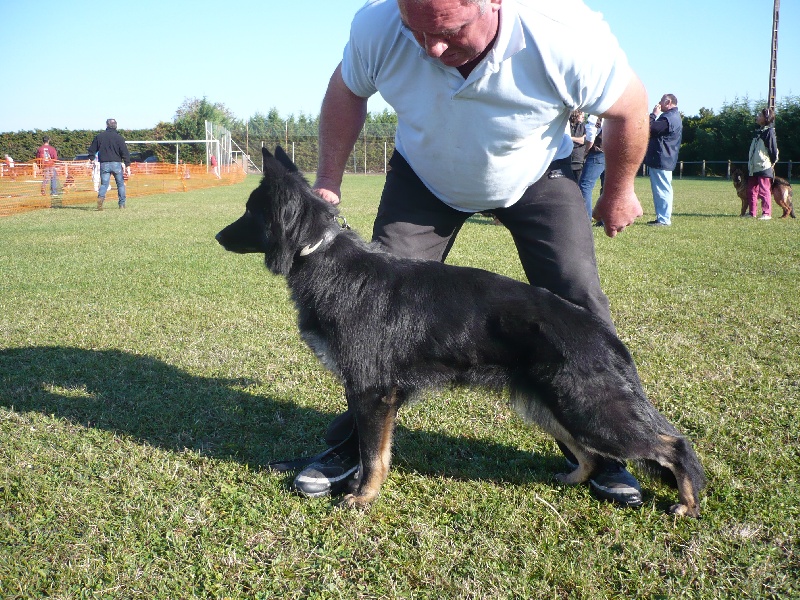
[326,193]
[617,213]
[657,110]
[625,135]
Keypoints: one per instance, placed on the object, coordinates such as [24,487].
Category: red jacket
[47,155]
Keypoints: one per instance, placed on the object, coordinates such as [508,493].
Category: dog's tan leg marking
[687,507]
[686,494]
[586,465]
[368,489]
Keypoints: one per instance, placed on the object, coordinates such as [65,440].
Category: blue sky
[72,64]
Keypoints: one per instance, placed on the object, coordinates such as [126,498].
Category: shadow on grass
[157,404]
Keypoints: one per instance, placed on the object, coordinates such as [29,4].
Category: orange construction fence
[23,187]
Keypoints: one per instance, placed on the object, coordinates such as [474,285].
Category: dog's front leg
[587,464]
[375,417]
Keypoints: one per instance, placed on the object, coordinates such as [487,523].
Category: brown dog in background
[781,192]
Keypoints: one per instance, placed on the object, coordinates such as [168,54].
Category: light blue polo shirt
[478,143]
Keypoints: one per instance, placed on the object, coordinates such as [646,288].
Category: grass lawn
[147,376]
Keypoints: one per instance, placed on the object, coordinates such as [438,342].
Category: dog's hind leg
[527,404]
[781,201]
[375,418]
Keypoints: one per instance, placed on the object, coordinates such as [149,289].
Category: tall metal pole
[773,64]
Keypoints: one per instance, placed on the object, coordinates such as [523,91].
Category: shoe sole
[606,494]
[336,485]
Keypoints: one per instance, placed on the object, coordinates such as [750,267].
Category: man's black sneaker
[330,475]
[615,484]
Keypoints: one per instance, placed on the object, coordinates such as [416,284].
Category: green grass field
[147,376]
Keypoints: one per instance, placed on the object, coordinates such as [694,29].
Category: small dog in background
[781,192]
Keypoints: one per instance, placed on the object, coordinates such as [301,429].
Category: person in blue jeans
[112,153]
[46,157]
[661,158]
[594,164]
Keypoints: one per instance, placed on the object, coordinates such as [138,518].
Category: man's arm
[340,121]
[658,126]
[625,136]
[124,153]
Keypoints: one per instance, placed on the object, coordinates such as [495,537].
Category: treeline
[189,124]
[726,135]
[710,136]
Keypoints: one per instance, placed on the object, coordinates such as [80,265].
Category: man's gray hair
[481,4]
[111,123]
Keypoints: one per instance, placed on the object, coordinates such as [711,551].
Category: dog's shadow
[160,405]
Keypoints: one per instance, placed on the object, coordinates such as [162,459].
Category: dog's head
[739,177]
[282,217]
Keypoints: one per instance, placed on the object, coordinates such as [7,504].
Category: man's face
[665,103]
[449,30]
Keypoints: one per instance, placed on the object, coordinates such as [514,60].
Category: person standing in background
[762,159]
[112,152]
[577,131]
[661,158]
[46,157]
[594,165]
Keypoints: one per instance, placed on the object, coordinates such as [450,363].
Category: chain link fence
[300,140]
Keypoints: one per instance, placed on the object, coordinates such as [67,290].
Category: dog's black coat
[390,327]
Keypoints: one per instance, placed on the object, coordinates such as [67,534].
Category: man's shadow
[157,404]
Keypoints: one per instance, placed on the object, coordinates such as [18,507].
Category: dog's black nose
[218,237]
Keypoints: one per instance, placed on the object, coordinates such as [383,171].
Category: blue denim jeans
[106,170]
[661,185]
[50,176]
[593,167]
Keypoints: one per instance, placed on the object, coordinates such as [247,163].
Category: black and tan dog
[781,192]
[392,327]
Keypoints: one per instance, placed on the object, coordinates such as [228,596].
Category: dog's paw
[681,510]
[356,501]
[567,478]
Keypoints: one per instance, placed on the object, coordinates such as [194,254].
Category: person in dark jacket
[577,131]
[763,156]
[662,155]
[112,153]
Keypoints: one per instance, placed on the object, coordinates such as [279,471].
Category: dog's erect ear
[265,153]
[284,159]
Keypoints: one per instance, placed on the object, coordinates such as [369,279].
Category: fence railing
[715,168]
[27,186]
[376,144]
